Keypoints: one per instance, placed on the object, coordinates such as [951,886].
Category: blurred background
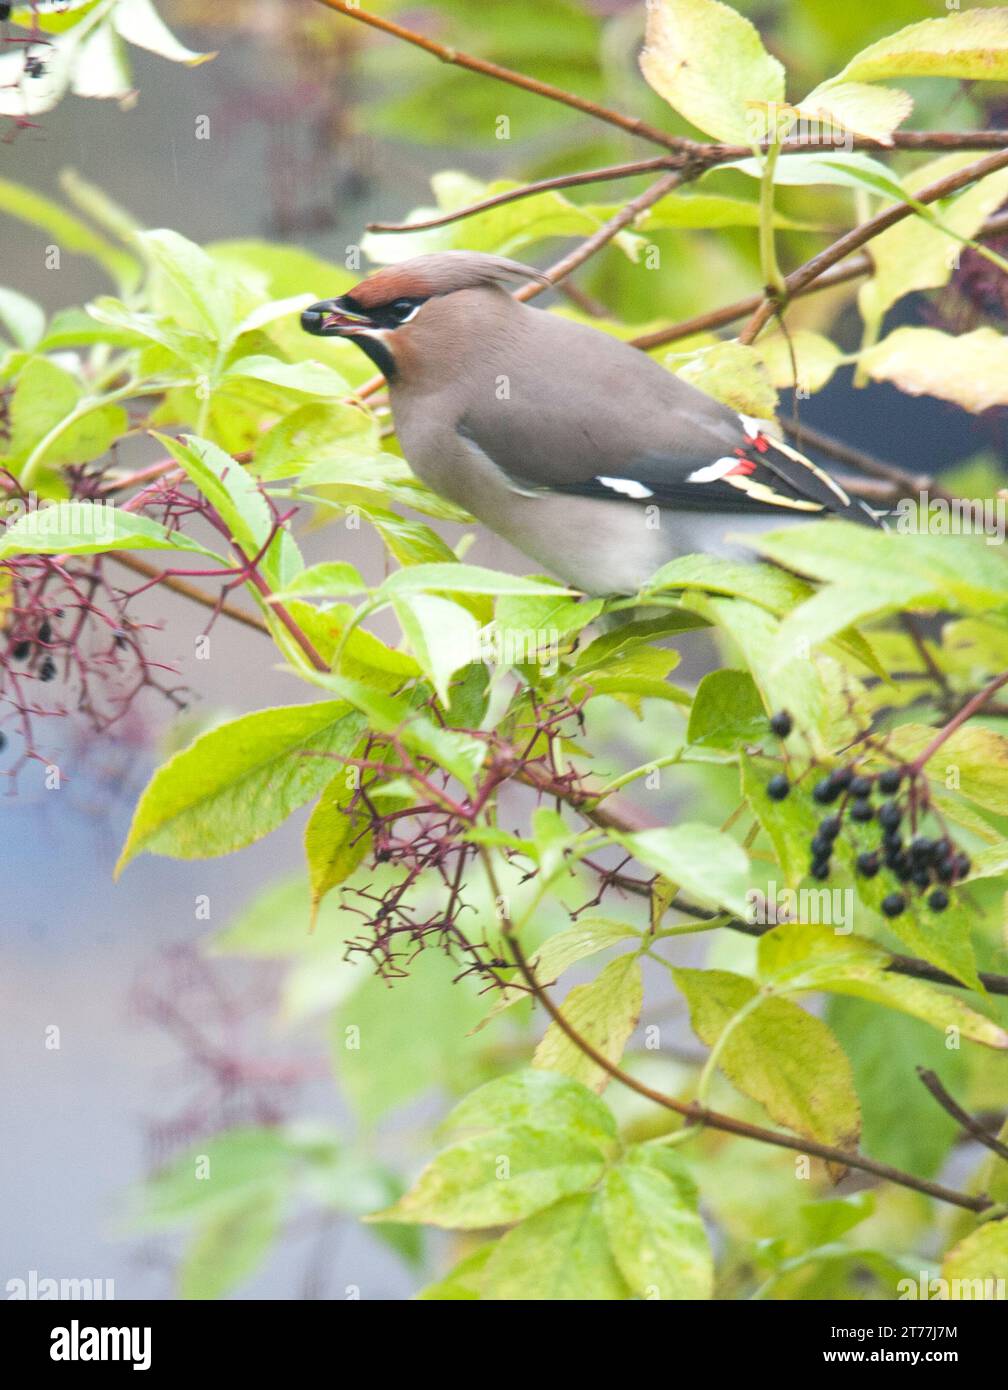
[316,127]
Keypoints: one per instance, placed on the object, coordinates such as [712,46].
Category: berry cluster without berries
[919,864]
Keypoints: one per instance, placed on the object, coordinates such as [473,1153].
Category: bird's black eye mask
[344,317]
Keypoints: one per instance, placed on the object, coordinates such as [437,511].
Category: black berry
[892,839]
[893,904]
[861,786]
[47,670]
[961,865]
[45,633]
[781,723]
[829,827]
[867,864]
[820,868]
[825,791]
[889,815]
[922,850]
[778,787]
[821,846]
[862,810]
[22,650]
[921,877]
[842,777]
[938,900]
[889,780]
[903,869]
[945,869]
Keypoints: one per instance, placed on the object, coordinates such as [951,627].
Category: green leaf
[814,360]
[800,957]
[336,842]
[655,1232]
[330,579]
[235,496]
[856,107]
[558,1255]
[86,528]
[466,579]
[727,711]
[238,782]
[314,433]
[208,293]
[217,1177]
[589,936]
[775,1052]
[970,370]
[230,1247]
[790,823]
[971,46]
[973,760]
[901,1124]
[23,319]
[498,1178]
[533,1097]
[772,588]
[982,1256]
[732,373]
[457,753]
[442,636]
[303,378]
[461,1284]
[709,62]
[604,1013]
[709,866]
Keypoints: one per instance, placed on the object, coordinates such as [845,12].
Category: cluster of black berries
[24,646]
[922,864]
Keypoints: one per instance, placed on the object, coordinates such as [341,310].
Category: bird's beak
[331,318]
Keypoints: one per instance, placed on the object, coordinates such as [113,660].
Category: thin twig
[972,706]
[189,591]
[593,244]
[962,1117]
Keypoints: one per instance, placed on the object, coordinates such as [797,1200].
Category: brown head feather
[442,272]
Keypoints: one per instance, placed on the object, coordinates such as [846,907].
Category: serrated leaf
[238,782]
[558,1255]
[970,370]
[727,711]
[709,62]
[655,1232]
[709,866]
[970,45]
[605,1013]
[87,528]
[776,1053]
[982,1256]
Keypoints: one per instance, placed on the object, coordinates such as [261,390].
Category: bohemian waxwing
[584,453]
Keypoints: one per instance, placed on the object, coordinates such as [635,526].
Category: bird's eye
[403,309]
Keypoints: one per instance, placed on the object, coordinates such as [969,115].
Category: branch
[859,236]
[952,1107]
[697,1114]
[528,190]
[593,244]
[186,590]
[971,707]
[631,124]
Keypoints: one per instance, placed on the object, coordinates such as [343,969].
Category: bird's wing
[619,426]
